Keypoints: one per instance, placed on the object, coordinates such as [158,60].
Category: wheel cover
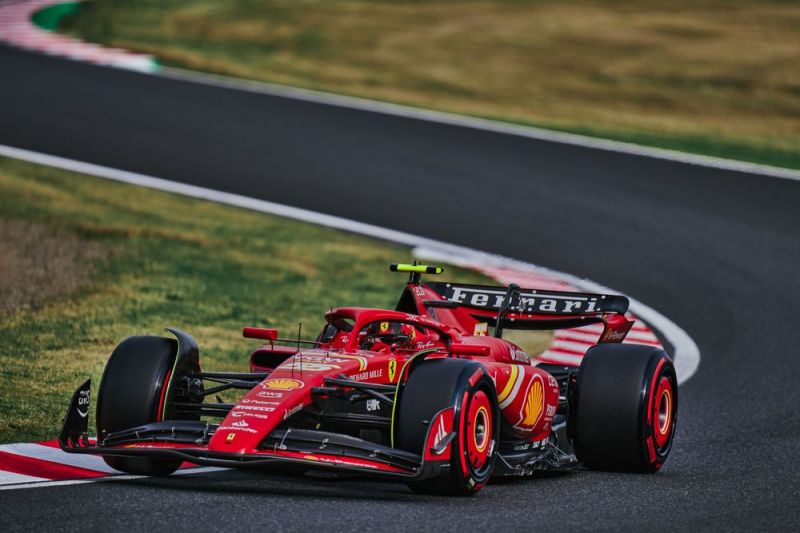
[663,412]
[479,430]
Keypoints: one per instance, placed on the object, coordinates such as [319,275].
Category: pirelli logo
[530,301]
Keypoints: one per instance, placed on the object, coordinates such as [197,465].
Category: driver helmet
[390,332]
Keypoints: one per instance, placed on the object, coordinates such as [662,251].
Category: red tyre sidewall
[658,428]
[473,460]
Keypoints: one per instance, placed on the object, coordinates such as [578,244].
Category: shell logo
[533,407]
[283,384]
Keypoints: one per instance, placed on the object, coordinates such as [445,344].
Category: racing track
[717,251]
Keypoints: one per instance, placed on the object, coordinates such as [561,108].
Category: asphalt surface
[716,251]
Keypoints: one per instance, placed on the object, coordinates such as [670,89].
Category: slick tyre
[439,384]
[625,407]
[132,393]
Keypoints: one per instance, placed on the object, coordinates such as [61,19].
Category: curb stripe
[29,466]
[18,29]
[560,359]
[94,463]
[567,346]
[10,478]
[121,477]
[584,338]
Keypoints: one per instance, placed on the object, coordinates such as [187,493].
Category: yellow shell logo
[534,403]
[282,384]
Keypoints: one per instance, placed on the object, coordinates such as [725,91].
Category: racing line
[714,249]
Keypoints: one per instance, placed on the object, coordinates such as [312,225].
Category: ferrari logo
[534,404]
[230,438]
[384,327]
[392,369]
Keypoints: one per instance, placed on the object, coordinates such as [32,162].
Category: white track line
[686,353]
[34,483]
[13,479]
[452,119]
[57,455]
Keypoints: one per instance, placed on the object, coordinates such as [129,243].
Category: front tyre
[624,408]
[133,392]
[439,384]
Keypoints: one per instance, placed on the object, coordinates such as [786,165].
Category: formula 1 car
[426,393]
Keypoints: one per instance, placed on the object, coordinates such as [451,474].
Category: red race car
[429,393]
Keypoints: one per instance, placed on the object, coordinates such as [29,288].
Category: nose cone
[285,392]
[259,412]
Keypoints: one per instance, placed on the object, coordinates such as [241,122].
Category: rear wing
[472,308]
[519,302]
[514,307]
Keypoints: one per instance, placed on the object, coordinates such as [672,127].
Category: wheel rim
[663,412]
[479,430]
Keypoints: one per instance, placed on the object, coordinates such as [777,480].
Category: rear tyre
[624,408]
[133,393]
[435,385]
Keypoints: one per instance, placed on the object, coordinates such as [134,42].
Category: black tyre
[133,393]
[435,385]
[624,408]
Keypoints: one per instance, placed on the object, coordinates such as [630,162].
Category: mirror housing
[469,349]
[266,334]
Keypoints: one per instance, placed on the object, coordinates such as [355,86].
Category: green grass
[714,77]
[162,260]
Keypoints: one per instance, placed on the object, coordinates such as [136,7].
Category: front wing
[185,440]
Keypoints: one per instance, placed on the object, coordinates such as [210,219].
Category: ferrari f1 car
[429,393]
